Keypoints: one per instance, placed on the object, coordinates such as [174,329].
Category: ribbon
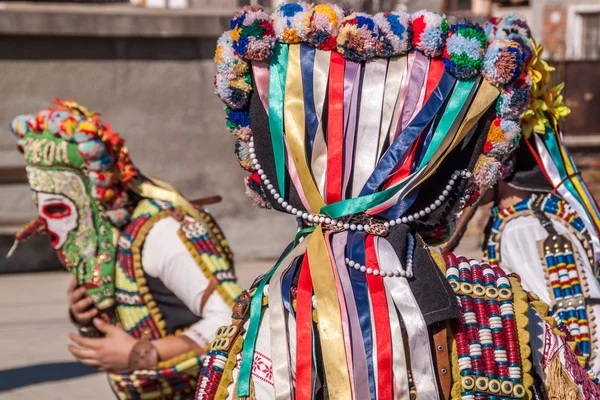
[361,299]
[260,74]
[319,155]
[382,326]
[286,287]
[277,84]
[279,338]
[294,128]
[351,89]
[335,127]
[367,135]
[359,358]
[255,313]
[304,335]
[307,61]
[413,90]
[343,314]
[421,361]
[393,88]
[330,325]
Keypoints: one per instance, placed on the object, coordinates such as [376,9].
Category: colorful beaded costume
[98,210]
[374,131]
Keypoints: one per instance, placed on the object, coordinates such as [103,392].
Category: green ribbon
[255,314]
[458,99]
[277,77]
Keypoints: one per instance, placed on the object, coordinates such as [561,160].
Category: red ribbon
[382,323]
[436,70]
[304,337]
[335,128]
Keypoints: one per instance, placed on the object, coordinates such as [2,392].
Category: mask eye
[56,210]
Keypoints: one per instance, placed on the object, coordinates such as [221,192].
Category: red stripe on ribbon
[304,337]
[382,323]
[335,129]
[436,70]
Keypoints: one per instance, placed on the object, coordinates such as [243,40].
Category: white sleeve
[165,257]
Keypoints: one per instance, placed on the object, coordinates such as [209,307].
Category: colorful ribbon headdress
[366,128]
[541,133]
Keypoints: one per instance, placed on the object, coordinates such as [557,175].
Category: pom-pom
[429,31]
[486,171]
[252,33]
[511,28]
[465,46]
[99,165]
[20,125]
[358,38]
[255,191]
[511,129]
[227,59]
[233,92]
[238,123]
[242,152]
[102,179]
[394,31]
[513,102]
[291,22]
[92,149]
[502,62]
[85,130]
[118,217]
[324,25]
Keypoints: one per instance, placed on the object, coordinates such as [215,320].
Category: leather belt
[442,358]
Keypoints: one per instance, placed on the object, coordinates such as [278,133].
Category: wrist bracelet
[143,356]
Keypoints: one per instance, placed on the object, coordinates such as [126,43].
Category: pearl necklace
[400,272]
[345,222]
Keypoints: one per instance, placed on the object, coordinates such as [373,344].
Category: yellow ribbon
[330,323]
[295,129]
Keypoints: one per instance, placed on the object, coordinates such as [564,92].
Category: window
[591,36]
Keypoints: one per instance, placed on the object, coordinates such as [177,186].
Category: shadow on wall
[33,255]
[16,378]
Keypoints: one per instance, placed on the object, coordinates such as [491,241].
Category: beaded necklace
[486,336]
[564,277]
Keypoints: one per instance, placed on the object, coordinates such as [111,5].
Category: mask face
[66,208]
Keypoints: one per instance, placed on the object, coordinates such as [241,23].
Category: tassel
[559,384]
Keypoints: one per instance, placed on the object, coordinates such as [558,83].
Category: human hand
[80,305]
[107,353]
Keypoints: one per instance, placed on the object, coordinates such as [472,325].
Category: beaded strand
[400,272]
[348,225]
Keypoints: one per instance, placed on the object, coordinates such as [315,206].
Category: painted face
[60,215]
[65,206]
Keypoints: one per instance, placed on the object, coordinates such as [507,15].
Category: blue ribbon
[398,148]
[307,62]
[286,286]
[356,251]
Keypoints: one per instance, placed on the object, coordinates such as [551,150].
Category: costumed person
[544,225]
[371,130]
[152,270]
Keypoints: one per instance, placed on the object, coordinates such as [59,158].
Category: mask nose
[29,230]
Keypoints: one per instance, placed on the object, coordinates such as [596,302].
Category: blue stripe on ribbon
[286,286]
[356,251]
[398,148]
[307,64]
